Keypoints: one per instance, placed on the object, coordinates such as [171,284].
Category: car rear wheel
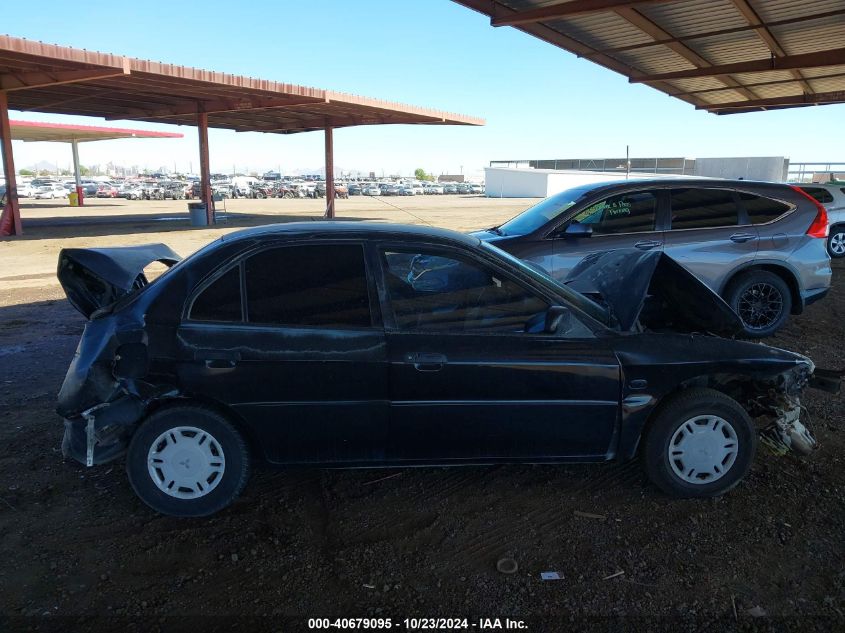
[762,300]
[836,242]
[187,461]
[700,444]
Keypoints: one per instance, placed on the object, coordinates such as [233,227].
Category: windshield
[552,207]
[574,298]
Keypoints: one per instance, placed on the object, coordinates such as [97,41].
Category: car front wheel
[762,300]
[187,461]
[836,242]
[700,444]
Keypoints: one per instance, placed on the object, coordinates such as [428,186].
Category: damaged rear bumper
[101,433]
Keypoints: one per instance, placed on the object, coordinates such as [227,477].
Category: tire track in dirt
[545,518]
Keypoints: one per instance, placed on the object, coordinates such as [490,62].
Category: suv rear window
[761,210]
[703,208]
[819,193]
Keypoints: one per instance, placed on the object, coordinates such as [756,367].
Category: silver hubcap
[837,243]
[186,462]
[703,449]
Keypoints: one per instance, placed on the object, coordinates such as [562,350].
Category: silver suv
[832,196]
[761,246]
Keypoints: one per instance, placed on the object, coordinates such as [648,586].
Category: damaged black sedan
[371,345]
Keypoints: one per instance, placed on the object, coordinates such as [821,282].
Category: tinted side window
[819,193]
[432,292]
[625,213]
[221,300]
[761,210]
[703,208]
[320,285]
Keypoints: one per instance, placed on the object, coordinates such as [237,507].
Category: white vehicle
[372,189]
[474,188]
[50,192]
[418,189]
[832,196]
[436,189]
[26,190]
[242,185]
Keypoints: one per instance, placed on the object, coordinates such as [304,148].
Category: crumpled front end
[777,410]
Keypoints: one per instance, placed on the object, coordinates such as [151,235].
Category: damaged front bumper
[779,411]
[102,433]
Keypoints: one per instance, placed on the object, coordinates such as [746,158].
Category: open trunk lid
[653,289]
[93,278]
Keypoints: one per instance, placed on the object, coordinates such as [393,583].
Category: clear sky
[539,101]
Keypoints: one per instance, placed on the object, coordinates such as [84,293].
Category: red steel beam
[329,131]
[819,98]
[205,168]
[219,106]
[29,80]
[12,207]
[833,57]
[566,10]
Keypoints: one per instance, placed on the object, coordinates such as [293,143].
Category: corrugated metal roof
[724,56]
[48,78]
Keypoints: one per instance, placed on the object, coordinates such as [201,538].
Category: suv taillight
[819,227]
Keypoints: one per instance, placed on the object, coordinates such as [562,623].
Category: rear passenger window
[761,210]
[703,208]
[313,285]
[625,213]
[221,300]
[819,193]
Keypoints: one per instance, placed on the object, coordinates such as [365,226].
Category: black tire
[234,449]
[679,410]
[762,300]
[836,241]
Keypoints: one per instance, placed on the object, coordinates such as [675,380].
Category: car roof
[830,186]
[688,181]
[363,230]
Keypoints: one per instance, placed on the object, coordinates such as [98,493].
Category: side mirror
[556,318]
[577,229]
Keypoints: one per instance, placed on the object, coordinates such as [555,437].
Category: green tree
[26,172]
[84,171]
[420,174]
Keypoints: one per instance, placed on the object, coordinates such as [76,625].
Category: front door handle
[646,245]
[739,238]
[424,361]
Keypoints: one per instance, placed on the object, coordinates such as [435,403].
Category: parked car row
[412,188]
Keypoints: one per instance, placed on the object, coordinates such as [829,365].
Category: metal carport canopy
[47,78]
[723,56]
[32,131]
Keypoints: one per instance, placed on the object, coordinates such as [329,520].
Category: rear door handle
[647,244]
[424,361]
[742,237]
[217,358]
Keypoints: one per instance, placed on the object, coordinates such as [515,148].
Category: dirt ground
[76,543]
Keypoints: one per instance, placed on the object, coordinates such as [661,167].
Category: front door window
[432,292]
[625,213]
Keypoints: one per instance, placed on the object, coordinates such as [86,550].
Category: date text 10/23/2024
[418,624]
